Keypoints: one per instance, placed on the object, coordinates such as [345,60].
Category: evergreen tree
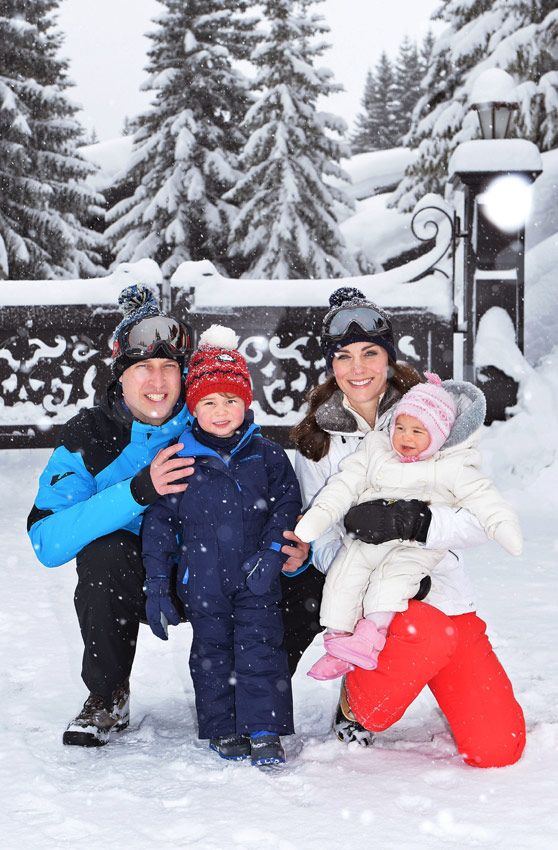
[519,36]
[437,125]
[185,146]
[44,200]
[378,125]
[425,52]
[526,48]
[366,131]
[287,225]
[408,73]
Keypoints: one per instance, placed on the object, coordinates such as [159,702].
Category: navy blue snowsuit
[236,505]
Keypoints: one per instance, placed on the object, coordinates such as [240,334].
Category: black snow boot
[231,747]
[96,720]
[347,728]
[267,749]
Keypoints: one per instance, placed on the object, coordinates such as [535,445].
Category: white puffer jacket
[449,529]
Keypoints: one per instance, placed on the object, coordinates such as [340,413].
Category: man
[112,461]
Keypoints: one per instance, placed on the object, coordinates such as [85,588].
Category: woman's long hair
[311,440]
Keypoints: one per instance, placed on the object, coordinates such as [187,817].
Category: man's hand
[381,520]
[164,471]
[297,552]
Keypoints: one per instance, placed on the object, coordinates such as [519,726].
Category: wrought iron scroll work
[455,233]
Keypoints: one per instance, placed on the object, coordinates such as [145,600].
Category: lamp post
[493,179]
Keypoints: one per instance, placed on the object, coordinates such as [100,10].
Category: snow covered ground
[157,785]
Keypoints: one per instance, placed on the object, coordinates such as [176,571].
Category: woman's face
[361,370]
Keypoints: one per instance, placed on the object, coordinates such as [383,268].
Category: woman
[442,643]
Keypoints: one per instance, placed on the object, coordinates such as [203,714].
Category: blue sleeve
[285,503]
[160,536]
[69,512]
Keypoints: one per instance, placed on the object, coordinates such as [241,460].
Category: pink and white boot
[361,648]
[328,667]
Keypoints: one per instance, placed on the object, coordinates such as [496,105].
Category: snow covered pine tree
[185,146]
[44,200]
[518,36]
[287,223]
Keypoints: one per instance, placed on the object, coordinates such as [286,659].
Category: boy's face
[410,437]
[220,414]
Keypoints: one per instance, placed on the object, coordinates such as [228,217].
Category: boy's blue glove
[159,607]
[263,568]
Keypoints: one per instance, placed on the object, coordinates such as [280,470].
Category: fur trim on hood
[471,411]
[334,418]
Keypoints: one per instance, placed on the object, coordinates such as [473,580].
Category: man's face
[151,389]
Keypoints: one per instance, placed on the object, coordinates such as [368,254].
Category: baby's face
[410,437]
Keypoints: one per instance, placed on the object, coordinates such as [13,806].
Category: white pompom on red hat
[433,406]
[217,367]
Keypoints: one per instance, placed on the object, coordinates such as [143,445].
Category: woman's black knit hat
[380,332]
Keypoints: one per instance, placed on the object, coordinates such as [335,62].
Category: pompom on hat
[217,367]
[433,406]
[352,318]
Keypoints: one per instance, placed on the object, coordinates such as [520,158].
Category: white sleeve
[312,477]
[454,528]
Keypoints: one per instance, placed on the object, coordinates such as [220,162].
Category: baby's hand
[313,524]
[509,536]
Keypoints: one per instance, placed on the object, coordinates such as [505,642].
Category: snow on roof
[111,157]
[543,221]
[374,171]
[492,155]
[379,231]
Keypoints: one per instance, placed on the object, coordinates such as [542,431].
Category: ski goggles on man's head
[369,320]
[154,333]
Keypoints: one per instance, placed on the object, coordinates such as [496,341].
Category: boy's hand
[297,552]
[261,570]
[159,607]
[164,471]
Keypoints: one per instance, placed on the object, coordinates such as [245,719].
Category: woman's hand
[297,552]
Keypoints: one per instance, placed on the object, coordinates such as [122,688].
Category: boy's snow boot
[347,728]
[329,667]
[96,720]
[362,648]
[232,747]
[267,749]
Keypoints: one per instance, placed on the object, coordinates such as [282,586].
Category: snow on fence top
[210,290]
[98,290]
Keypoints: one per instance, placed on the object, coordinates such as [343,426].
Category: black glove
[382,520]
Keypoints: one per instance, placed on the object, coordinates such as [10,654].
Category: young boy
[226,533]
[429,454]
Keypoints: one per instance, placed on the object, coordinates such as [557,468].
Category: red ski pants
[453,656]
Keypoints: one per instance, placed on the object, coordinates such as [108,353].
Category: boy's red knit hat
[217,367]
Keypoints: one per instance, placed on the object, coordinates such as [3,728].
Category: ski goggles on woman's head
[369,320]
[149,335]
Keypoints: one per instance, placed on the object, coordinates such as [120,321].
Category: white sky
[106,46]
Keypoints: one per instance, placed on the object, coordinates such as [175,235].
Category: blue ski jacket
[97,479]
[234,506]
